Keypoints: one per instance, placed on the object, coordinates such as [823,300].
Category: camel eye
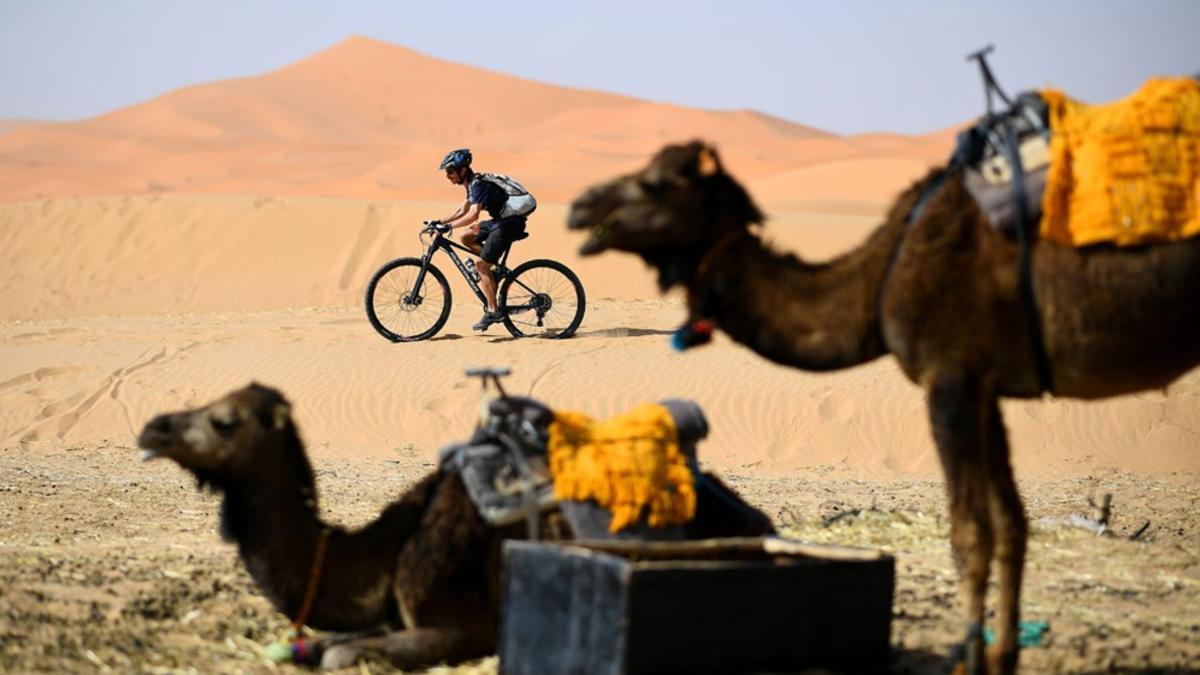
[653,188]
[224,425]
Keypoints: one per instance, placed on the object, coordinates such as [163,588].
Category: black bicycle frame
[500,271]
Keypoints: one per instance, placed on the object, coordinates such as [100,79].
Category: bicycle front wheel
[403,310]
[542,298]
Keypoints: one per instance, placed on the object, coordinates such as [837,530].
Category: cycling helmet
[456,159]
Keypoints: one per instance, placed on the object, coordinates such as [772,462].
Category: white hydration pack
[520,202]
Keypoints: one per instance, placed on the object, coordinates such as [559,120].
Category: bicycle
[539,298]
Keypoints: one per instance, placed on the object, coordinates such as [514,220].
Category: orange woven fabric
[1126,172]
[627,463]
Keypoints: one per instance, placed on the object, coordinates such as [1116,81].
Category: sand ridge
[115,309]
[369,120]
[96,380]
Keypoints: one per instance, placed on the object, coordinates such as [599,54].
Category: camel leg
[1009,529]
[405,649]
[958,411]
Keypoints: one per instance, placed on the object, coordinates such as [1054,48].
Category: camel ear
[737,204]
[707,163]
[280,415]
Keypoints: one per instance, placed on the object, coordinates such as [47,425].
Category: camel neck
[812,316]
[276,528]
[273,518]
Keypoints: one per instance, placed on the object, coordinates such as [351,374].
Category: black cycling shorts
[495,236]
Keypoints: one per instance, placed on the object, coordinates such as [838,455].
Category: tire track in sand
[353,259]
[64,419]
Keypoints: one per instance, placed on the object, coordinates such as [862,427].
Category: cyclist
[489,239]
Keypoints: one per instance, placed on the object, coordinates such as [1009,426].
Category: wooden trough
[712,606]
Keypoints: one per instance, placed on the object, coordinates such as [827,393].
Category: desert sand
[157,256]
[119,307]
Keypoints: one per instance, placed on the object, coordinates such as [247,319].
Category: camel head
[226,438]
[670,213]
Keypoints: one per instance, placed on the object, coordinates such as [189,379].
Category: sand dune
[369,120]
[869,178]
[135,255]
[7,125]
[157,256]
[178,254]
[94,381]
[116,308]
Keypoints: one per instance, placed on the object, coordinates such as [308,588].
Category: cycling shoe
[488,319]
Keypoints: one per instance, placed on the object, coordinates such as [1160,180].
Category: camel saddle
[1005,158]
[511,482]
[1126,173]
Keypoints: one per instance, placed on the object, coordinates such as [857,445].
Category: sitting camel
[428,563]
[941,295]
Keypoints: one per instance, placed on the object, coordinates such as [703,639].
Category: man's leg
[498,240]
[487,241]
[487,283]
[470,239]
[488,286]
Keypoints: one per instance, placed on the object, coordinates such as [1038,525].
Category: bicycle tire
[540,289]
[398,314]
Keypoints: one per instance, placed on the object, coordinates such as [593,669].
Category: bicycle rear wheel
[402,311]
[542,298]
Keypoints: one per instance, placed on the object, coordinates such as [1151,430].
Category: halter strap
[706,261]
[314,580]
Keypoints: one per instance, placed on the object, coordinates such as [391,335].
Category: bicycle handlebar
[436,226]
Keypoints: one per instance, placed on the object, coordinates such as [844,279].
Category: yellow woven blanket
[1126,172]
[627,463]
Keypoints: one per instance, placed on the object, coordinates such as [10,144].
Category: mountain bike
[408,299]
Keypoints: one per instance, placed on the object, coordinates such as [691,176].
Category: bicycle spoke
[399,310]
[543,294]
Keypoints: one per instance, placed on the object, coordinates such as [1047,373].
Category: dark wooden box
[713,606]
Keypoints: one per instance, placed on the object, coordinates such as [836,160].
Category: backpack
[520,202]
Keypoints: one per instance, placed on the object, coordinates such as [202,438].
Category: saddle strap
[958,165]
[1041,363]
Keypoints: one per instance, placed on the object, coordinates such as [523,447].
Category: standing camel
[941,295]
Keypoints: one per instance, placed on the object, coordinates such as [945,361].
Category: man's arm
[467,218]
[458,213]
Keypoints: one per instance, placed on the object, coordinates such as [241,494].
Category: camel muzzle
[593,246]
[579,217]
[583,217]
[155,438]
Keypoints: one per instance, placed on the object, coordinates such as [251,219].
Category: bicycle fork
[414,295]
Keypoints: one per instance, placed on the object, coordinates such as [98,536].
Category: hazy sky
[842,65]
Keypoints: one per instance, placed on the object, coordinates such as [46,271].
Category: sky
[846,66]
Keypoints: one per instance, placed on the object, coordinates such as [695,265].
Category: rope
[314,579]
[707,260]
